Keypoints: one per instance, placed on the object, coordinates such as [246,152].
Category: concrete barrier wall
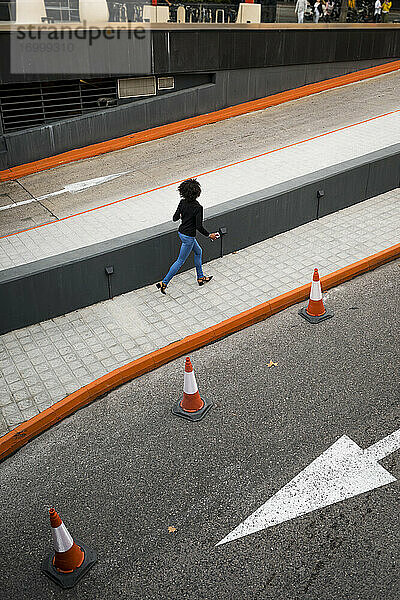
[54,286]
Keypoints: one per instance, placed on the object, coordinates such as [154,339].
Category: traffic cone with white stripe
[191,406]
[70,560]
[315,311]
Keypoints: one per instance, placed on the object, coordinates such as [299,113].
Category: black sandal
[162,287]
[204,280]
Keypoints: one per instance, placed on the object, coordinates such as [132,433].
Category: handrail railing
[204,12]
[126,11]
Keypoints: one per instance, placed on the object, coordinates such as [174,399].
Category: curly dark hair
[190,189]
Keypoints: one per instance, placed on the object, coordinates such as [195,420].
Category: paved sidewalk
[220,185]
[43,363]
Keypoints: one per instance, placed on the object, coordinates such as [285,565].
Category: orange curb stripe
[28,430]
[238,162]
[193,122]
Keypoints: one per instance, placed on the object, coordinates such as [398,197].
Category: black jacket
[191,214]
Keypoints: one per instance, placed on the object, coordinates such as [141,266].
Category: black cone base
[68,580]
[303,313]
[192,416]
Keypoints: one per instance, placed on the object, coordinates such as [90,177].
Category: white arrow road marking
[72,188]
[343,471]
[384,447]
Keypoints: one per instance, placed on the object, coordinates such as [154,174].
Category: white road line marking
[18,204]
[343,471]
[384,447]
[72,188]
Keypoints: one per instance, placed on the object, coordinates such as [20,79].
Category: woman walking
[190,212]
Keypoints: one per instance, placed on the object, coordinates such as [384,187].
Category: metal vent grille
[25,105]
[136,86]
[166,83]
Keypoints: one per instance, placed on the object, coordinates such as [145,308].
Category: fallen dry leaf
[171,529]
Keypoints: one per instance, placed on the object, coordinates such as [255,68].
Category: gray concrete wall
[51,287]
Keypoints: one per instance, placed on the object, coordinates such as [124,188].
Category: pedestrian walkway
[219,185]
[43,363]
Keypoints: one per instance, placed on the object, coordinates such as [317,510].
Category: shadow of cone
[191,407]
[71,560]
[315,311]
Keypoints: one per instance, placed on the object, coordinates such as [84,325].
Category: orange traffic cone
[191,406]
[315,311]
[68,556]
[70,560]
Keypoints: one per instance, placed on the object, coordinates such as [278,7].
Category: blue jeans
[188,244]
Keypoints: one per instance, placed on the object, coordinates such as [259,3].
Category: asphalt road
[123,470]
[176,157]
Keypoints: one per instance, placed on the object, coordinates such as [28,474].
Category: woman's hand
[213,236]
